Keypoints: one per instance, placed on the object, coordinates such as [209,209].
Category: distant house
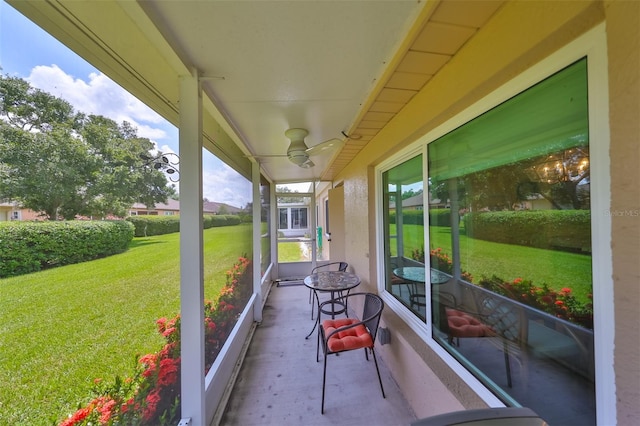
[212,207]
[12,211]
[417,203]
[293,219]
[172,207]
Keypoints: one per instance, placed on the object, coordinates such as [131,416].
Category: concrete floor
[280,382]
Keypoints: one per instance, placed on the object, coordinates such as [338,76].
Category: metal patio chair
[348,334]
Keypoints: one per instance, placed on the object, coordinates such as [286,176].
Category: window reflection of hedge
[568,230]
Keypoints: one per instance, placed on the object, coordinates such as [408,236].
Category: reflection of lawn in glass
[484,258]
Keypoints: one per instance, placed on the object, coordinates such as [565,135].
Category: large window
[404,233]
[299,218]
[293,218]
[505,281]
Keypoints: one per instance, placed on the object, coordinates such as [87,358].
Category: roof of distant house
[207,207]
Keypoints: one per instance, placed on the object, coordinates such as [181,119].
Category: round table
[415,275]
[332,282]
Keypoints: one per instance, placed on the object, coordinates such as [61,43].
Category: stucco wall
[518,36]
[623,31]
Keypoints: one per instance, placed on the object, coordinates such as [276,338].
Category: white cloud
[223,184]
[99,96]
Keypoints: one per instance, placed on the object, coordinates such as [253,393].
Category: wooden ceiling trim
[423,62]
[408,81]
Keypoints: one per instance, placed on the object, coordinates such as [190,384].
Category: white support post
[191,252]
[257,241]
[273,231]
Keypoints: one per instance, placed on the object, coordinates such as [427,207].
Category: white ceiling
[333,67]
[283,64]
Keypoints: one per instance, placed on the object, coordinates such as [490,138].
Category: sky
[28,52]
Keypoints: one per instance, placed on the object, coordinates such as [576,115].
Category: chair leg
[312,296]
[324,380]
[507,364]
[375,360]
[318,346]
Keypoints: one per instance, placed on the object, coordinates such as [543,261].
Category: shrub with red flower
[152,395]
[562,304]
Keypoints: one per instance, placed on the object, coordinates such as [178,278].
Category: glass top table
[332,282]
[416,274]
[415,278]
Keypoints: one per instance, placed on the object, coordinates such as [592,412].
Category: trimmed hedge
[32,246]
[440,217]
[568,230]
[146,226]
[437,217]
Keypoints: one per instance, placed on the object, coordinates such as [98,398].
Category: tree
[32,109]
[43,171]
[411,193]
[560,177]
[67,164]
[294,198]
[124,179]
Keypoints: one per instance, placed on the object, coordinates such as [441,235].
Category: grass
[62,328]
[481,258]
[290,252]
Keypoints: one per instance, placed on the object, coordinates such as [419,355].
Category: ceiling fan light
[297,157]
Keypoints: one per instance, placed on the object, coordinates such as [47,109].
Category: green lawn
[290,251]
[481,258]
[64,327]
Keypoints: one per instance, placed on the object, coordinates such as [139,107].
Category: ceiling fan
[298,152]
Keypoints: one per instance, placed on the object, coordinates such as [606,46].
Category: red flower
[125,407]
[105,409]
[152,404]
[149,361]
[168,331]
[211,326]
[168,374]
[77,417]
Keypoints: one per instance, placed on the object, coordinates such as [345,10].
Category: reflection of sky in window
[415,187]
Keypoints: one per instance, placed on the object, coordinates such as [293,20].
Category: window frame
[591,45]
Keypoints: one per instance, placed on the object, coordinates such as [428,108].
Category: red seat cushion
[352,338]
[464,325]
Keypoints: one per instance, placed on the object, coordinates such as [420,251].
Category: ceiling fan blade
[322,147]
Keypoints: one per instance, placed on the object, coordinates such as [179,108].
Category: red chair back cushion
[464,325]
